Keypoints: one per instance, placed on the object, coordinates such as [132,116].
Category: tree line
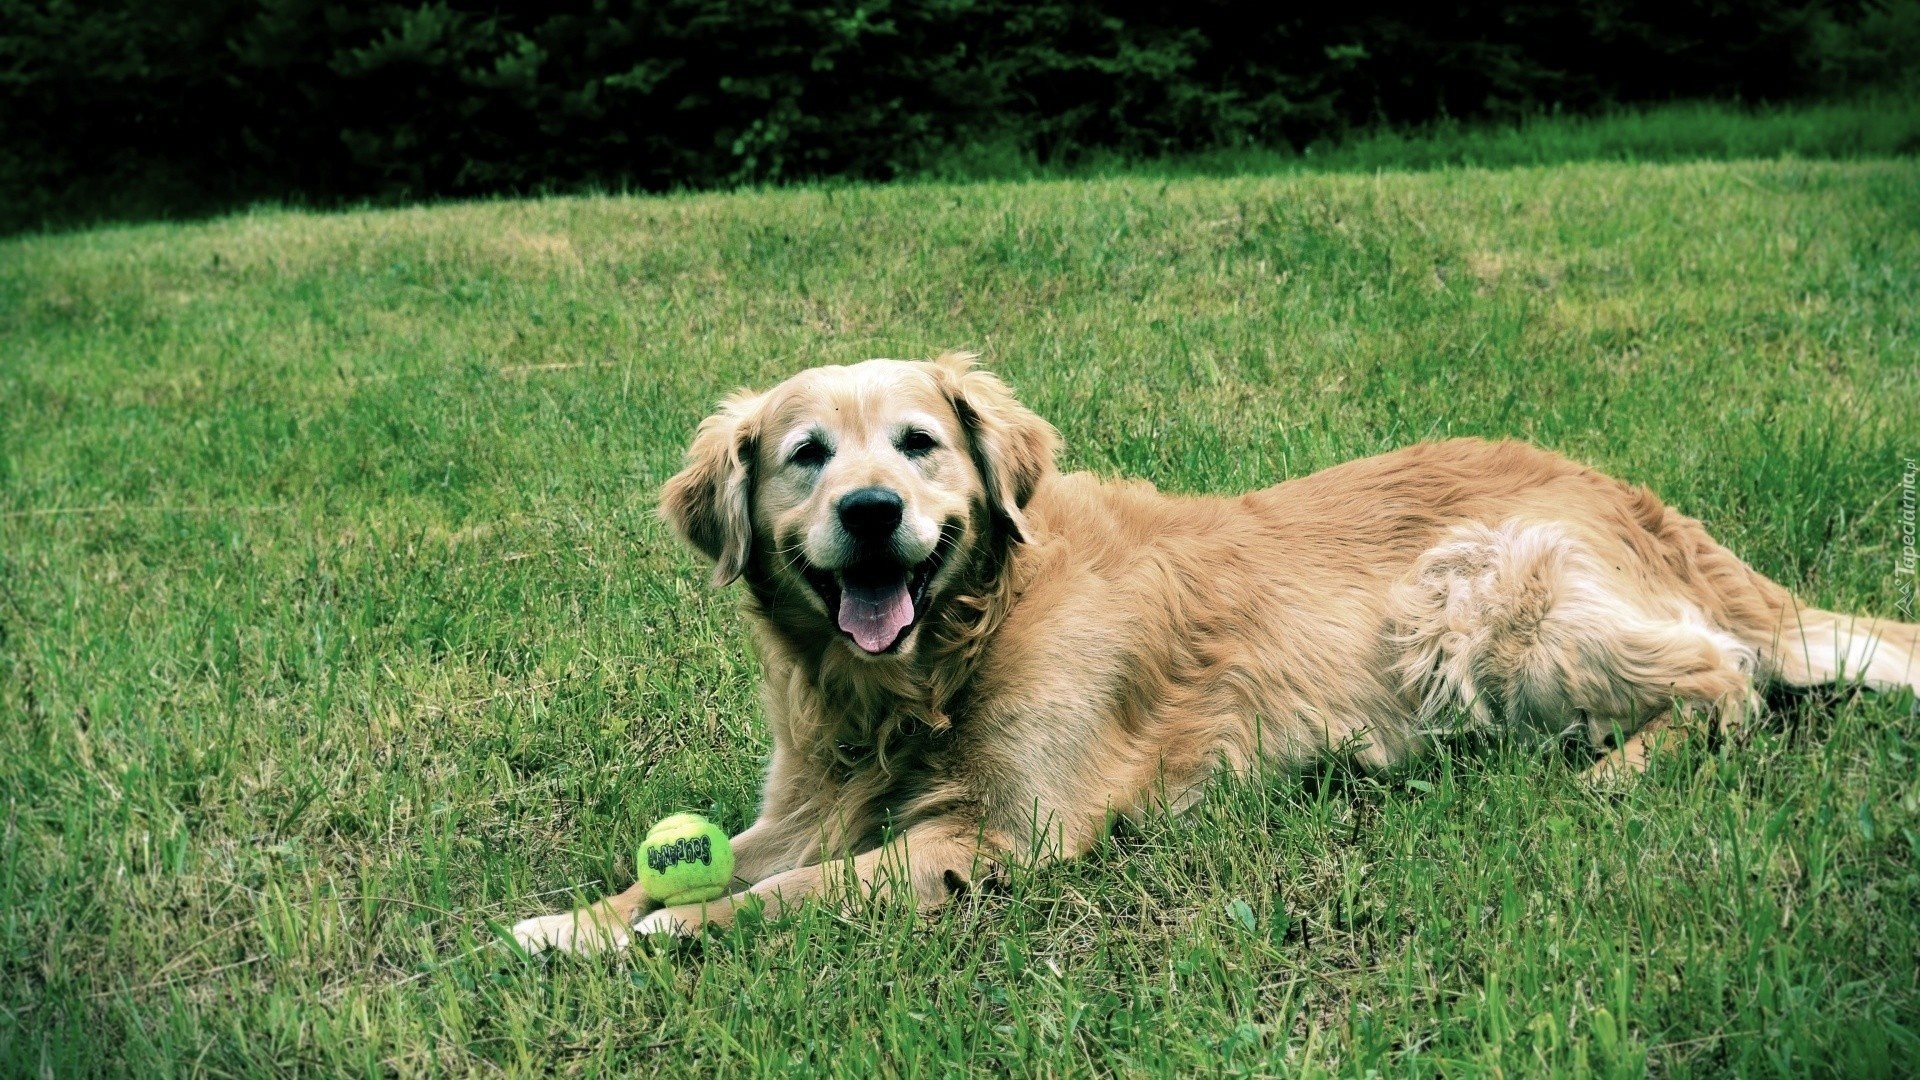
[320,99]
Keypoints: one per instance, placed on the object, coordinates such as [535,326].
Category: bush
[320,99]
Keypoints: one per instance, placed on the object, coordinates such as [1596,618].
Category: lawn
[337,629]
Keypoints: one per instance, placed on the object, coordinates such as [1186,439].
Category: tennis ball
[685,859]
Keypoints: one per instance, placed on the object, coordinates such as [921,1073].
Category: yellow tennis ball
[686,859]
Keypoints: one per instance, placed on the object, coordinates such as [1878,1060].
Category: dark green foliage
[322,99]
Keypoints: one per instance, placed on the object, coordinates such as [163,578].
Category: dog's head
[853,498]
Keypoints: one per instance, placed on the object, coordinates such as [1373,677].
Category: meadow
[338,631]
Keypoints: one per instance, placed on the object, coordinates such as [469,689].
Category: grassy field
[1871,125]
[1877,125]
[337,629]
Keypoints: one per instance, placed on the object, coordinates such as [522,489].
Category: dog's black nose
[870,514]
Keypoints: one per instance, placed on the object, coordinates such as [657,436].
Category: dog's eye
[916,442]
[810,454]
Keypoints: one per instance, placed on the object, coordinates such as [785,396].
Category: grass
[336,628]
[1867,125]
[1884,123]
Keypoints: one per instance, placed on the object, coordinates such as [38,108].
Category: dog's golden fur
[1086,648]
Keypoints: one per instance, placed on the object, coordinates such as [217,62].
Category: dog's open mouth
[876,602]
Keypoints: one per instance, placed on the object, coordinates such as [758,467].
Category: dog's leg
[1527,624]
[1671,728]
[1816,647]
[1657,735]
[929,862]
[766,848]
[593,928]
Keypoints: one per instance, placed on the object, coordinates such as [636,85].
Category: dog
[970,657]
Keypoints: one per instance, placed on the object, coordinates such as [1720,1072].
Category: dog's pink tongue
[874,615]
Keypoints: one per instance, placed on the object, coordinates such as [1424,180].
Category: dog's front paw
[570,931]
[664,921]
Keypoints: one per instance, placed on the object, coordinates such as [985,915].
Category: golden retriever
[970,657]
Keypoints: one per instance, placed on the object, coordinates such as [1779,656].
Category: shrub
[323,99]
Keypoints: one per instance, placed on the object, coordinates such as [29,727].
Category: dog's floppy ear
[1012,447]
[710,502]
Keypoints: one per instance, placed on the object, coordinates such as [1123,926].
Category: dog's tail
[1797,644]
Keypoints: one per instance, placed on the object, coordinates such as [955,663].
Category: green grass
[1881,124]
[337,629]
[1869,125]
